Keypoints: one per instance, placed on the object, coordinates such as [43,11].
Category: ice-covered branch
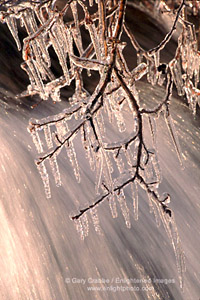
[120,156]
[120,145]
[102,198]
[164,101]
[170,33]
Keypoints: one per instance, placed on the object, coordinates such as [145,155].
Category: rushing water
[41,255]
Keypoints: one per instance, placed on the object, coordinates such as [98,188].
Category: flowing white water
[42,256]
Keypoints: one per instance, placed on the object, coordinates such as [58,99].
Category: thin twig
[170,33]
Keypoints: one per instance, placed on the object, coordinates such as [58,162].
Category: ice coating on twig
[118,155]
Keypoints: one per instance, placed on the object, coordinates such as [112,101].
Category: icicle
[36,140]
[76,30]
[193,104]
[33,68]
[43,48]
[99,172]
[120,121]
[165,220]
[136,96]
[39,14]
[113,206]
[108,110]
[95,220]
[85,224]
[152,73]
[94,143]
[184,58]
[119,162]
[88,151]
[70,48]
[134,191]
[129,157]
[117,113]
[152,125]
[79,228]
[26,21]
[32,21]
[153,208]
[55,169]
[172,131]
[139,71]
[135,149]
[73,160]
[90,26]
[102,27]
[48,137]
[179,254]
[63,32]
[157,58]
[101,123]
[169,224]
[12,25]
[59,34]
[87,145]
[61,128]
[177,76]
[91,157]
[109,162]
[48,74]
[156,214]
[45,178]
[156,166]
[107,171]
[59,51]
[38,60]
[125,211]
[191,65]
[148,169]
